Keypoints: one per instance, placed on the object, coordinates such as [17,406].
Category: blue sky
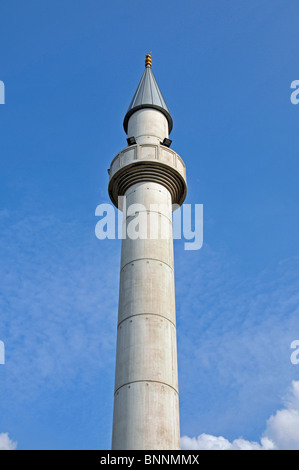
[70,70]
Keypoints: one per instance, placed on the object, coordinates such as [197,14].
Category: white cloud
[209,442]
[282,431]
[6,443]
[283,427]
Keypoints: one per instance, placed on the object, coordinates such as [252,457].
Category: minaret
[149,173]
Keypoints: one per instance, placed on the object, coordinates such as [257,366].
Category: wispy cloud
[234,336]
[58,317]
[58,305]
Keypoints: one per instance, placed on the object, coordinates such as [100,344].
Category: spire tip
[148,59]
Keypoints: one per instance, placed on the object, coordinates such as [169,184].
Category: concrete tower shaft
[146,404]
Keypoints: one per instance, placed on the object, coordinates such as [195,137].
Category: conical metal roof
[148,95]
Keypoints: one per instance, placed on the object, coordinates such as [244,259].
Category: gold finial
[148,59]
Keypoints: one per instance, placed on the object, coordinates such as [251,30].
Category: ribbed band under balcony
[153,172]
